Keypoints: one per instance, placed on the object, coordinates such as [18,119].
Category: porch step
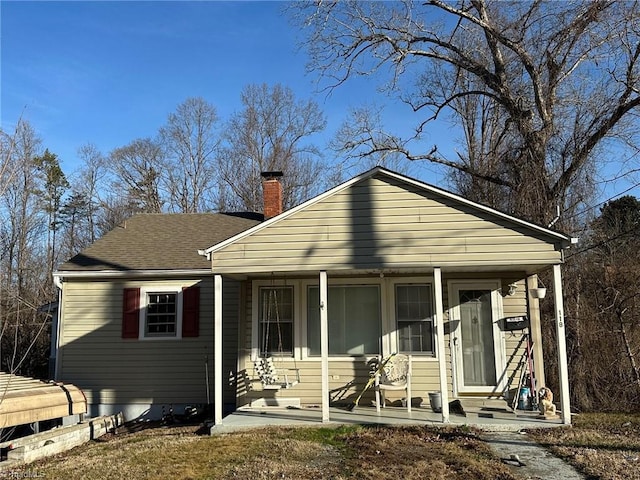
[275,402]
[485,406]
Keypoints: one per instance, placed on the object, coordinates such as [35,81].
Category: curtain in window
[353,318]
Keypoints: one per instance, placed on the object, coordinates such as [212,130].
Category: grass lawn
[279,453]
[603,446]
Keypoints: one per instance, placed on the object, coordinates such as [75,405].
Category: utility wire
[604,242]
[582,212]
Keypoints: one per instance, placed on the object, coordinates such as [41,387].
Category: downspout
[217,363]
[55,328]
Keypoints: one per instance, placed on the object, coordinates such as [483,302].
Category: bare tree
[114,211]
[363,123]
[562,76]
[21,218]
[603,312]
[8,166]
[270,133]
[190,140]
[484,146]
[137,168]
[23,262]
[89,183]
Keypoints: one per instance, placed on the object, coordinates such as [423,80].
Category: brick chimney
[271,194]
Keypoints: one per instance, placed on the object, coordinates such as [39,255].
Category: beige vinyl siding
[113,370]
[347,378]
[346,381]
[515,344]
[382,223]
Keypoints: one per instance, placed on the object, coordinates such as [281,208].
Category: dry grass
[280,453]
[602,446]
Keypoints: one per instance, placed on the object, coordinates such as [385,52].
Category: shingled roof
[159,242]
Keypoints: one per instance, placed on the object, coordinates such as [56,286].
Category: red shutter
[130,313]
[190,311]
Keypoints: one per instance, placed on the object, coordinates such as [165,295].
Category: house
[170,311]
[136,315]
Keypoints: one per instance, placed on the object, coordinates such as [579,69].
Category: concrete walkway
[528,459]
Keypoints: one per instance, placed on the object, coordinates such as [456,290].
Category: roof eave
[565,239]
[69,274]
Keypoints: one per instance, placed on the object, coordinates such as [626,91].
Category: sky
[108,73]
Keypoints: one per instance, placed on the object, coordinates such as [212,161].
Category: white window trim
[389,341]
[255,312]
[144,292]
[355,281]
[453,311]
[392,321]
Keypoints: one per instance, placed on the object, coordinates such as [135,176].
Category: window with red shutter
[131,313]
[190,311]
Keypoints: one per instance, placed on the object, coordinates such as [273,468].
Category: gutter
[205,253]
[70,274]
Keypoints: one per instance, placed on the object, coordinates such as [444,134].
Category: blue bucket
[524,399]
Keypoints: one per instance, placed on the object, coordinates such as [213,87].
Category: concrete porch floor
[486,415]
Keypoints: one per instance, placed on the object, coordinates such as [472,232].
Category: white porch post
[536,333]
[217,349]
[324,346]
[442,358]
[563,371]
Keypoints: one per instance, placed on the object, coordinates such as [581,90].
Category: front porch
[381,265]
[486,415]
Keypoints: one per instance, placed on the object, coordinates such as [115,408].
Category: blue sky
[111,72]
[108,73]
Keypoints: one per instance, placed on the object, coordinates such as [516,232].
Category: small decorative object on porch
[546,405]
[394,374]
[540,292]
[435,401]
[269,377]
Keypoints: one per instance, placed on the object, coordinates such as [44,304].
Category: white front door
[476,340]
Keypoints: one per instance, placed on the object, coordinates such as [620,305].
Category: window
[161,316]
[414,316]
[161,312]
[353,320]
[276,320]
